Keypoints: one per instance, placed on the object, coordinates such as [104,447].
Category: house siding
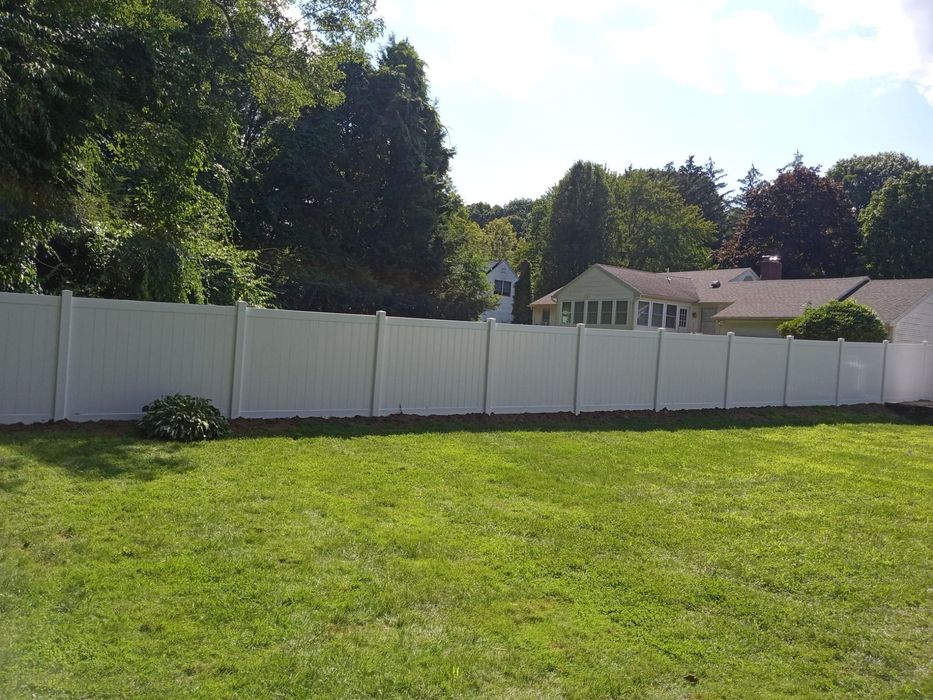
[596,285]
[749,327]
[503,312]
[916,325]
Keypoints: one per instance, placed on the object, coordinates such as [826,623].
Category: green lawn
[764,554]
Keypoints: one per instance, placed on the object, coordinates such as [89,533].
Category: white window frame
[646,307]
[682,314]
[566,312]
[499,285]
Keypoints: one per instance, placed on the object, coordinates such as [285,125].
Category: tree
[837,319]
[657,230]
[897,226]
[124,125]
[580,228]
[862,176]
[500,239]
[802,216]
[521,310]
[355,208]
[699,185]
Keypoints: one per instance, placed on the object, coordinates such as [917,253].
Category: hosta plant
[183,417]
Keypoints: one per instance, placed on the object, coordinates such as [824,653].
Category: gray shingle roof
[655,284]
[892,298]
[780,299]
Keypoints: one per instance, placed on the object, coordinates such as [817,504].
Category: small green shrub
[837,319]
[183,417]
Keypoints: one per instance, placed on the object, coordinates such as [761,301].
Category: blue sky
[526,87]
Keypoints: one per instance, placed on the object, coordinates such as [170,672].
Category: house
[720,301]
[502,278]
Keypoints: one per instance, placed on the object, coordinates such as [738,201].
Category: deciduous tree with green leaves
[897,226]
[862,176]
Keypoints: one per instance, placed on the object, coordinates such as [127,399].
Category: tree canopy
[862,176]
[897,226]
[802,216]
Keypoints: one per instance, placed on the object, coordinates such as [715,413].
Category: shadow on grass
[88,454]
[103,448]
[705,419]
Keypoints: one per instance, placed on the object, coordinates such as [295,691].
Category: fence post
[578,379]
[60,407]
[725,394]
[884,367]
[657,370]
[790,344]
[842,343]
[490,346]
[925,374]
[375,403]
[239,347]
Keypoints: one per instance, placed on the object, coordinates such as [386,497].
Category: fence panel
[300,363]
[28,357]
[434,367]
[693,371]
[860,375]
[619,370]
[757,371]
[902,380]
[811,377]
[124,354]
[533,369]
[89,359]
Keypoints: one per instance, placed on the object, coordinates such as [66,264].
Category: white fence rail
[90,359]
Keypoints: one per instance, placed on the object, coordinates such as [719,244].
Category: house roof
[704,278]
[781,299]
[891,299]
[663,285]
[547,299]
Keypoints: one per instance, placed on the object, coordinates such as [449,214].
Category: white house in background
[502,278]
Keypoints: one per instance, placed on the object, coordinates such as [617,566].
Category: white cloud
[516,47]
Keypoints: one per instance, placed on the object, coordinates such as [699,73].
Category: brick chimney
[770,267]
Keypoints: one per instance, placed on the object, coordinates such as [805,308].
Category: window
[503,287]
[657,314]
[546,317]
[605,313]
[670,319]
[682,318]
[592,313]
[578,311]
[621,313]
[565,313]
[643,313]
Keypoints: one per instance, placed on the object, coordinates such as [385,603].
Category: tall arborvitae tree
[521,311]
[358,212]
[580,228]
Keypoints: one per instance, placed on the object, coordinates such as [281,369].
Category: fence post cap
[380,314]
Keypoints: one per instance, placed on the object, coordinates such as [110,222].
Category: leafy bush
[837,319]
[183,417]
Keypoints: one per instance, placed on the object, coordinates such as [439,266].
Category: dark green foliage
[862,176]
[897,226]
[184,418]
[580,229]
[802,216]
[521,312]
[516,211]
[354,207]
[837,319]
[701,186]
[123,126]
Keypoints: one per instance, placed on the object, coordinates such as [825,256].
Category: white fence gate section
[90,359]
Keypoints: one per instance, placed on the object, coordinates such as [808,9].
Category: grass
[764,554]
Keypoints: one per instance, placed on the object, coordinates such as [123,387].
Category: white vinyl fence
[89,359]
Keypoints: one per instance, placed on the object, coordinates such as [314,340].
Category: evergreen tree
[580,230]
[521,311]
